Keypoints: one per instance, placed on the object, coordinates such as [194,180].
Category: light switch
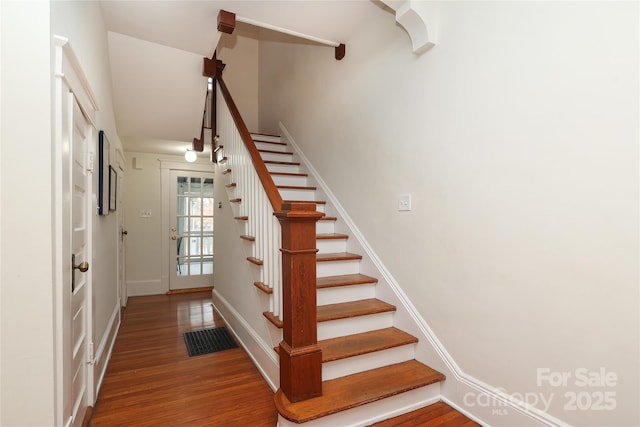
[404,202]
[144,213]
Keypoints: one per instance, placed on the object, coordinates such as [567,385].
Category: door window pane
[195,210]
[196,226]
[196,205]
[207,187]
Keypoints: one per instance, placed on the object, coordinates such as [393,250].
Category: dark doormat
[208,341]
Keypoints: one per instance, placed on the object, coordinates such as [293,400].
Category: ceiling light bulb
[190,156]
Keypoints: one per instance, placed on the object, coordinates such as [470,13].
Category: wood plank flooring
[151,380]
[439,414]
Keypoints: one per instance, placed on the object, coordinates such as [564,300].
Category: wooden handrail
[300,355]
[227,23]
[265,177]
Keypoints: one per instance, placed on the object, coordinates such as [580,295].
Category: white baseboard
[104,349]
[262,354]
[515,412]
[136,288]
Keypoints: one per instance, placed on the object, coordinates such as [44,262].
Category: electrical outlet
[404,202]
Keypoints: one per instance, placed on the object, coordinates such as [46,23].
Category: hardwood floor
[151,380]
[439,414]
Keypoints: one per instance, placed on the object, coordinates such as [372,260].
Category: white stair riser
[277,157]
[373,412]
[366,362]
[291,194]
[283,168]
[325,227]
[299,181]
[336,268]
[340,294]
[266,137]
[271,147]
[354,325]
[327,246]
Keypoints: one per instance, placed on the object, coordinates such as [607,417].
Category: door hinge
[90,160]
[91,355]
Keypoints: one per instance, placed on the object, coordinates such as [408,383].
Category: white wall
[239,51]
[235,297]
[517,136]
[27,376]
[81,22]
[26,271]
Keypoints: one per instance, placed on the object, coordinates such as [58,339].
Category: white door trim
[165,179]
[68,76]
[122,280]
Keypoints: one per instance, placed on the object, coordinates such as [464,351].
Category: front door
[191,230]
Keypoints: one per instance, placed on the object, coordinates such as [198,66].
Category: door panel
[191,230]
[80,294]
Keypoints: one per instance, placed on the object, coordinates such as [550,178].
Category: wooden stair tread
[264,134]
[328,218]
[295,187]
[344,310]
[273,319]
[226,171]
[262,141]
[363,343]
[269,142]
[288,174]
[233,184]
[344,280]
[337,256]
[437,414]
[254,260]
[358,389]
[317,202]
[249,238]
[331,236]
[264,288]
[236,200]
[241,218]
[274,162]
[289,153]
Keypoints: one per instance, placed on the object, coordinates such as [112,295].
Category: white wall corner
[415,17]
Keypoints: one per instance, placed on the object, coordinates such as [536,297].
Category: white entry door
[191,230]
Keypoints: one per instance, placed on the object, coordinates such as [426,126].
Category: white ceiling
[156,49]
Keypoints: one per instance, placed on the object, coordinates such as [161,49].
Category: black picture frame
[113,188]
[104,149]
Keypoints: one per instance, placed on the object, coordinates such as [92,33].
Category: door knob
[124,232]
[174,237]
[83,266]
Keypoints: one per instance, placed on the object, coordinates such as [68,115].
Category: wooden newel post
[300,355]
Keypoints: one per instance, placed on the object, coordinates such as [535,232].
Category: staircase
[368,369]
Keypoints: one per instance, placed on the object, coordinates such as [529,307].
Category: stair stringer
[461,391]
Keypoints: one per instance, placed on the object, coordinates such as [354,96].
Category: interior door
[121,241]
[191,230]
[79,287]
